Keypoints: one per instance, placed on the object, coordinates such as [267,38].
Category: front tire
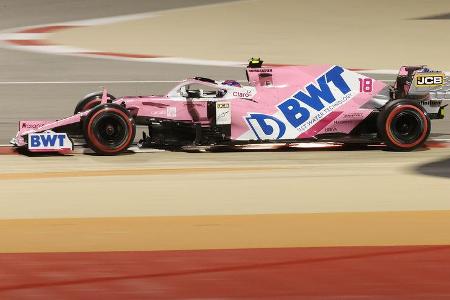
[109,129]
[403,125]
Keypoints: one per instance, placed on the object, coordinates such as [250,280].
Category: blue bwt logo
[266,127]
[47,140]
[301,107]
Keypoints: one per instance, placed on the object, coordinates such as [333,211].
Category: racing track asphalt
[40,100]
[162,201]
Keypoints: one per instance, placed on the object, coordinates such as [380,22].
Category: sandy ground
[226,232]
[224,200]
[176,184]
[353,33]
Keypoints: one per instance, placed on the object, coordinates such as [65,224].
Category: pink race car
[279,104]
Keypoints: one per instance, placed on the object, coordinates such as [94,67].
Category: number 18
[365,85]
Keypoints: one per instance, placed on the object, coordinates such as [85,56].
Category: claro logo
[241,95]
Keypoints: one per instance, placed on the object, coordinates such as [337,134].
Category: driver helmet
[231,83]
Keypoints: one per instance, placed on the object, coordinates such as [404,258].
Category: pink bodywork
[272,86]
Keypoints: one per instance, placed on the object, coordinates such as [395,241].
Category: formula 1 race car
[279,104]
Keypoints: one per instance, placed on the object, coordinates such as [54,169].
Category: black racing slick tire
[403,125]
[109,129]
[90,101]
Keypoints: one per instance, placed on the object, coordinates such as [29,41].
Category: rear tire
[403,125]
[90,101]
[109,129]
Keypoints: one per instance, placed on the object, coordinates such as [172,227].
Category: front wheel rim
[111,130]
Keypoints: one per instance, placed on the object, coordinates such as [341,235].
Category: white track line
[96,82]
[87,82]
[17,34]
[22,36]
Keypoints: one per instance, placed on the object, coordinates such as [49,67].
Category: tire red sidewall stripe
[93,138]
[389,123]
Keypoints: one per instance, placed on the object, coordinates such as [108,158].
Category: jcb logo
[429,80]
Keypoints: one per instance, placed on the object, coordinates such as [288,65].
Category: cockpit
[205,88]
[198,90]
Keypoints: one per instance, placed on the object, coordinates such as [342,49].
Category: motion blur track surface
[311,224]
[309,273]
[274,224]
